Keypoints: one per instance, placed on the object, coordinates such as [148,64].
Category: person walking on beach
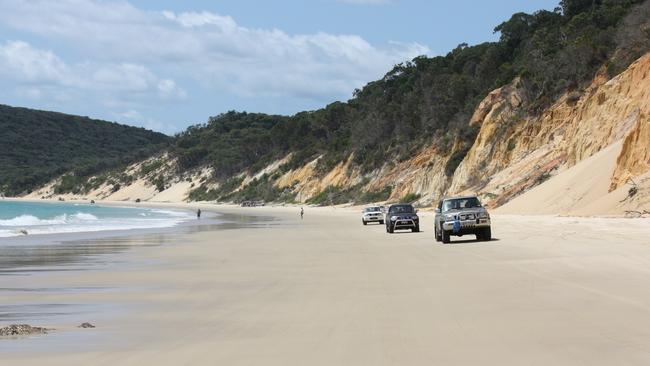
[302,212]
[198,213]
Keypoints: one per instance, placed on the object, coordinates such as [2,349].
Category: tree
[571,8]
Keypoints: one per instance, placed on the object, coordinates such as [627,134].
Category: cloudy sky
[167,64]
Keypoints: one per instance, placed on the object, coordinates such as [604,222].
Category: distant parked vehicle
[372,214]
[460,216]
[402,217]
[252,203]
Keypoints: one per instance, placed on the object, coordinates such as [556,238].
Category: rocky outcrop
[423,174]
[16,330]
[634,159]
[514,151]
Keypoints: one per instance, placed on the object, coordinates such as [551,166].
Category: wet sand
[328,291]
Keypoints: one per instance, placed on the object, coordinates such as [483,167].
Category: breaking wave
[49,219]
[29,220]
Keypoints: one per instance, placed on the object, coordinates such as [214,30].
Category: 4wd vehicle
[402,217]
[372,214]
[460,216]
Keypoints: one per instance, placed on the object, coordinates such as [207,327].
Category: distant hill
[37,146]
[493,119]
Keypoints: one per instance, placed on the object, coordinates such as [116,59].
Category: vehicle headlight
[414,217]
[450,217]
[483,215]
[393,218]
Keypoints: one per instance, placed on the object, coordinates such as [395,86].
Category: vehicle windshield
[460,203]
[402,209]
[372,209]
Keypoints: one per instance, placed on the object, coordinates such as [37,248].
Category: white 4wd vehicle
[372,214]
[460,216]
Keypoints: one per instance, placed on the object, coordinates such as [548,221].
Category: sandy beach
[328,291]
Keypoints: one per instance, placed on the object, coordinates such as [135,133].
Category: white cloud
[19,59]
[208,47]
[23,63]
[195,19]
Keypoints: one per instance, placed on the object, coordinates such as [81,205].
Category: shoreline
[349,207]
[100,233]
[327,290]
[78,254]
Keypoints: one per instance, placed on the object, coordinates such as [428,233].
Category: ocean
[53,218]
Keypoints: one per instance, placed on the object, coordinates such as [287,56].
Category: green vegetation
[38,146]
[410,198]
[69,183]
[375,196]
[152,166]
[261,189]
[220,194]
[430,100]
[159,182]
[334,195]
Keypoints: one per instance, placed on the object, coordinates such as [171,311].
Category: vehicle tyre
[416,229]
[436,234]
[391,229]
[487,234]
[446,239]
[364,222]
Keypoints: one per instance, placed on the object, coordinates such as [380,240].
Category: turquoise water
[50,218]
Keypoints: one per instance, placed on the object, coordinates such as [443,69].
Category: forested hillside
[406,136]
[429,101]
[37,146]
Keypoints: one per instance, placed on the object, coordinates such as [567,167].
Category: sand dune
[582,190]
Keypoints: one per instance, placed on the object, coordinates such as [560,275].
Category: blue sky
[167,64]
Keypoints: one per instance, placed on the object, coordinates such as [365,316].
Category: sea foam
[37,218]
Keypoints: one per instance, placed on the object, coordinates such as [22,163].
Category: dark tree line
[37,146]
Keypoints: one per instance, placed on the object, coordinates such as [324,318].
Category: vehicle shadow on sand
[473,241]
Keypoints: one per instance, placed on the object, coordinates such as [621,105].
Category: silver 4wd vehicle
[460,216]
[402,217]
[372,214]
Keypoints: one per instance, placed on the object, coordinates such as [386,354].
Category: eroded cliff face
[634,159]
[513,150]
[306,183]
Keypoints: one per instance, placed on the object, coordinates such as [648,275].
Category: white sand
[582,190]
[329,291]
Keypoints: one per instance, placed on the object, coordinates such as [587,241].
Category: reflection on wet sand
[36,256]
[31,255]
